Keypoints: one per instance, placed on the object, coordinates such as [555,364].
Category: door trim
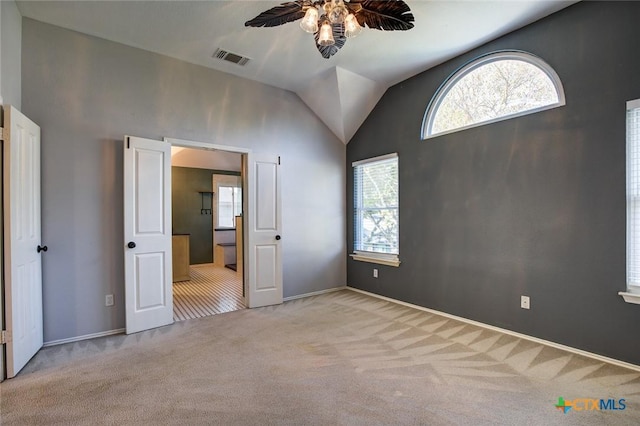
[147,229]
[28,340]
[184,143]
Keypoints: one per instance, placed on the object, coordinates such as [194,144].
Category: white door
[22,250]
[264,223]
[147,234]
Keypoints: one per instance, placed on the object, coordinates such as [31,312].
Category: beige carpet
[338,359]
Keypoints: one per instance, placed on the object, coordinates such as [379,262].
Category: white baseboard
[505,331]
[314,293]
[85,337]
[122,330]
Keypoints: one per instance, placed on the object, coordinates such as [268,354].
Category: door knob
[131,244]
[42,248]
[278,237]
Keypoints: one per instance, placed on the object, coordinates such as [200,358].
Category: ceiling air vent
[230,57]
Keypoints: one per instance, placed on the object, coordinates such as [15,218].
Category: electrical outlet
[525,302]
[375,273]
[108,300]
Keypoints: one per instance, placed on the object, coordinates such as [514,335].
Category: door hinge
[128,143]
[278,160]
[4,337]
[1,133]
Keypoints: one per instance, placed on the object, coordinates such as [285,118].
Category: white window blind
[633,193]
[376,205]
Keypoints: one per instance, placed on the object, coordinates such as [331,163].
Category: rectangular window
[376,218]
[229,205]
[633,196]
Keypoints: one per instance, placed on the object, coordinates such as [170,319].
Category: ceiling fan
[333,21]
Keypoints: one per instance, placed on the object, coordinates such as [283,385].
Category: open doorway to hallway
[206,240]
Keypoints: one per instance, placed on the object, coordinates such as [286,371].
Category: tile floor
[211,290]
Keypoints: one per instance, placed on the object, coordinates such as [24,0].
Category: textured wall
[529,206]
[86,93]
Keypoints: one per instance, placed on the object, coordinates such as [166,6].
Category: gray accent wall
[529,206]
[86,93]
[186,205]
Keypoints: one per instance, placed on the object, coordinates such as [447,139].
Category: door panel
[264,227]
[149,269]
[266,187]
[266,260]
[23,261]
[149,200]
[147,234]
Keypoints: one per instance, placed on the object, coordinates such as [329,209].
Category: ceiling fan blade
[286,12]
[338,36]
[390,15]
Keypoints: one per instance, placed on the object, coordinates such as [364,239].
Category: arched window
[491,88]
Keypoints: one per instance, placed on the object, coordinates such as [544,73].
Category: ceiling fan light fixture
[309,23]
[337,12]
[351,26]
[326,35]
[333,21]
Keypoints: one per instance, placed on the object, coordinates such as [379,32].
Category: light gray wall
[86,93]
[10,62]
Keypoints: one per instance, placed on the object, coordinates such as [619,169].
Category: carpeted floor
[341,358]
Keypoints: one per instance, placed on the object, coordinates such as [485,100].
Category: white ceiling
[341,90]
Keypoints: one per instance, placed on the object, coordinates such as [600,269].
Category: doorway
[207,232]
[148,234]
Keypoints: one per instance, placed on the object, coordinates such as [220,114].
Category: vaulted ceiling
[341,90]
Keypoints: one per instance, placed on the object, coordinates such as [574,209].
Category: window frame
[463,71]
[390,259]
[632,295]
[233,187]
[224,179]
